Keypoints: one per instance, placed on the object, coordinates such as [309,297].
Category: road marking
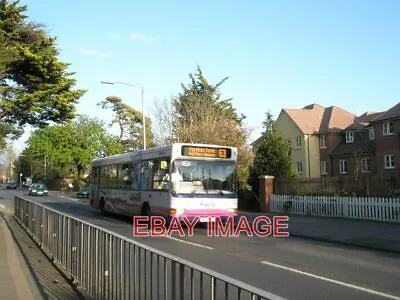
[2,206]
[190,243]
[332,281]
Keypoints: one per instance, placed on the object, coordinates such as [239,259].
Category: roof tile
[315,119]
[391,113]
[363,121]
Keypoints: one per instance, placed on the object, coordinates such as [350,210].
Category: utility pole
[144,120]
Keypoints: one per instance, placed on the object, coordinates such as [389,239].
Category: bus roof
[148,153]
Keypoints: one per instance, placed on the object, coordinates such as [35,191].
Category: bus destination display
[206,152]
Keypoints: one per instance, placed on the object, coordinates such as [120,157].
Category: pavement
[16,282]
[360,233]
[25,271]
[321,266]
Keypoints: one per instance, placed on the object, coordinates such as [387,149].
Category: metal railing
[111,266]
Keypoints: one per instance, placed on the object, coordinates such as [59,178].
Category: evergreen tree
[272,155]
[35,87]
[201,116]
[130,123]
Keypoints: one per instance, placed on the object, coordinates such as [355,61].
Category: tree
[199,115]
[130,123]
[272,155]
[7,158]
[71,147]
[163,127]
[35,87]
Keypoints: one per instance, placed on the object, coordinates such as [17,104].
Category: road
[292,268]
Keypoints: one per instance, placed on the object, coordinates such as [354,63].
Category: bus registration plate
[207,219]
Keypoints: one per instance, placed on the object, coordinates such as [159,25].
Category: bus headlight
[232,210]
[180,211]
[176,211]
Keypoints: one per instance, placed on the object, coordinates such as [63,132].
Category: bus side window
[120,176]
[126,173]
[147,175]
[137,175]
[161,174]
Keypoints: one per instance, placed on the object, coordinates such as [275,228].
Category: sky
[277,54]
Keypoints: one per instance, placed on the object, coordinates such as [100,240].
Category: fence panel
[362,186]
[362,208]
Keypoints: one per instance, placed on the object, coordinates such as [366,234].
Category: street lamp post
[142,96]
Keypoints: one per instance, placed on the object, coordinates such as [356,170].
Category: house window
[388,128]
[389,161]
[298,142]
[299,166]
[371,133]
[349,137]
[322,141]
[323,168]
[343,166]
[366,165]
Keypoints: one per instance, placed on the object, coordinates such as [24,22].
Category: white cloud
[141,37]
[95,52]
[114,35]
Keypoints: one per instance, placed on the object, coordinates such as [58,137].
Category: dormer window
[349,137]
[388,128]
[371,133]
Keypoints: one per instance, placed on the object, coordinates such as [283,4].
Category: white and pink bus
[178,180]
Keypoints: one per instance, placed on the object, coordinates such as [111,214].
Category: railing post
[213,288]
[173,280]
[181,281]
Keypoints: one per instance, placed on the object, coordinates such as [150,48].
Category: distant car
[38,189]
[12,186]
[83,193]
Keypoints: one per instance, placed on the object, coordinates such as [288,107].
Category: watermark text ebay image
[260,226]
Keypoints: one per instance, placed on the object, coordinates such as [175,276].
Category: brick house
[334,120]
[386,131]
[355,153]
[334,142]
